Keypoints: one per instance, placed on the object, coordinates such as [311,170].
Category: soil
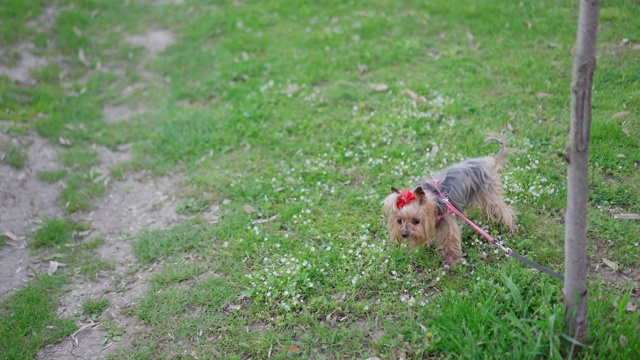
[130,205]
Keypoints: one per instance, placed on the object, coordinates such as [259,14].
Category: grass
[265,105]
[54,232]
[28,319]
[13,156]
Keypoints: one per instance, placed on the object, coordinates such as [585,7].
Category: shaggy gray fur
[461,183]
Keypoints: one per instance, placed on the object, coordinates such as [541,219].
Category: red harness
[452,209]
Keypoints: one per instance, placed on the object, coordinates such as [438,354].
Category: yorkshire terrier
[420,216]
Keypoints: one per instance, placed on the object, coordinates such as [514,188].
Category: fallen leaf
[245,55]
[53,266]
[509,127]
[373,358]
[620,114]
[379,87]
[172,356]
[529,25]
[624,128]
[234,307]
[433,152]
[248,209]
[290,348]
[619,155]
[627,216]
[362,68]
[226,202]
[399,338]
[636,47]
[553,45]
[414,96]
[82,58]
[64,141]
[543,95]
[623,341]
[434,54]
[631,307]
[11,235]
[262,221]
[610,264]
[469,36]
[363,13]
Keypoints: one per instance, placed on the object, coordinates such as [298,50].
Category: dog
[421,216]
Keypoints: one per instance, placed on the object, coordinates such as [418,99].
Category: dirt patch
[24,202]
[138,202]
[20,72]
[154,41]
[113,114]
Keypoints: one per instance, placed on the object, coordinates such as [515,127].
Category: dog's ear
[420,195]
[394,190]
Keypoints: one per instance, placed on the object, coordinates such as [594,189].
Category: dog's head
[411,216]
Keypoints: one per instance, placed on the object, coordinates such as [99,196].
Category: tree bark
[575,286]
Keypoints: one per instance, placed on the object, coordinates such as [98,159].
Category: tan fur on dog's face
[414,224]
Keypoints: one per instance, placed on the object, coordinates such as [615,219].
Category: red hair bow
[405,197]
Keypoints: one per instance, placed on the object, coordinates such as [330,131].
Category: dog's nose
[404,233]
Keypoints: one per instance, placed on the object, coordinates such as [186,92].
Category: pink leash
[490,239]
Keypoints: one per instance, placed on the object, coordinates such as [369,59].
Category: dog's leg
[491,203]
[448,240]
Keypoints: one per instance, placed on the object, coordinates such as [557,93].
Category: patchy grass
[270,106]
[54,232]
[28,320]
[95,307]
[13,156]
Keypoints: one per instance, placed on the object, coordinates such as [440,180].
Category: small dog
[420,216]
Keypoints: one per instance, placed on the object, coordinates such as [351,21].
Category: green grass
[94,307]
[28,320]
[264,105]
[54,232]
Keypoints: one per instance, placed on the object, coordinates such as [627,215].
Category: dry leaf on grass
[543,95]
[433,152]
[379,87]
[611,264]
[290,348]
[10,235]
[248,209]
[234,307]
[83,58]
[53,267]
[620,114]
[624,128]
[627,216]
[262,221]
[414,96]
[362,68]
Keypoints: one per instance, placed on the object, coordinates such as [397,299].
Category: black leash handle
[545,270]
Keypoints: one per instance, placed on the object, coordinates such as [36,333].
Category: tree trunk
[575,286]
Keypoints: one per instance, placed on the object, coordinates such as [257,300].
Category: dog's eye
[416,221]
[399,221]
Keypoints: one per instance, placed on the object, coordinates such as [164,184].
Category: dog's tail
[500,139]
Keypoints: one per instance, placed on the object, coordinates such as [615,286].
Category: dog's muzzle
[405,233]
